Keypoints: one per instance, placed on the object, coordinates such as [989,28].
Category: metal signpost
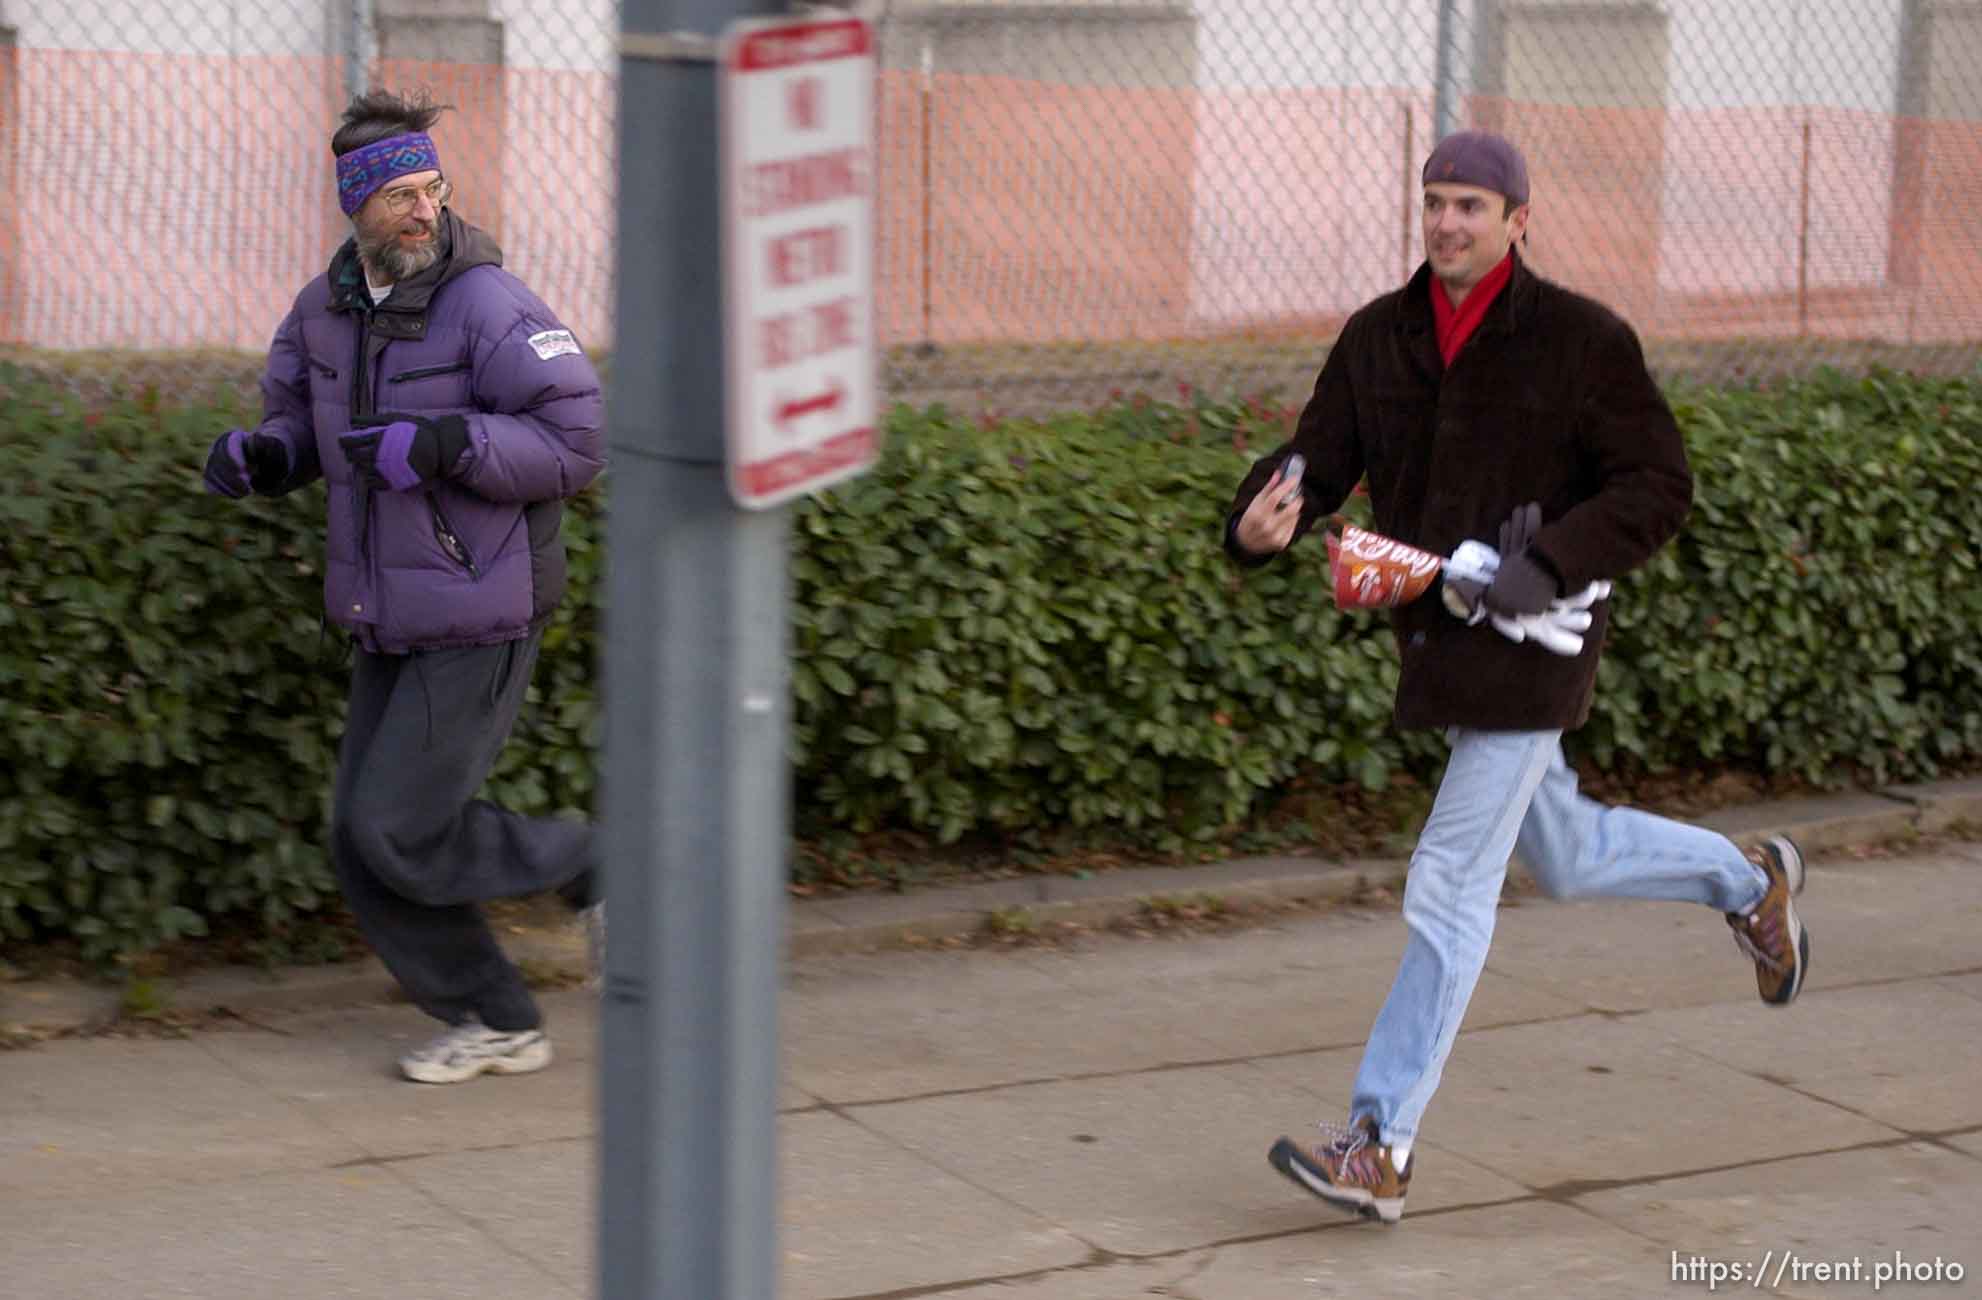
[695,793]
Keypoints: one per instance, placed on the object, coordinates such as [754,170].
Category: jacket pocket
[323,368]
[428,372]
[451,542]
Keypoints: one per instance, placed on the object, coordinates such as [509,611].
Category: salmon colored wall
[164,201]
[1053,212]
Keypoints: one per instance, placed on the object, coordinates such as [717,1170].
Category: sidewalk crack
[1569,1191]
[1164,1067]
[1097,1250]
[480,1227]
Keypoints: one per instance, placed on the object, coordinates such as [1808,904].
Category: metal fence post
[1910,139]
[1445,85]
[358,49]
[695,792]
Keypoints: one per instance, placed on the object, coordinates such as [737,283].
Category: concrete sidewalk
[1621,1117]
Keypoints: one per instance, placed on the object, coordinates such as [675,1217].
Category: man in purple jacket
[449,414]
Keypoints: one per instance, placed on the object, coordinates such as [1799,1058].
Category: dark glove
[241,462]
[1524,585]
[1462,596]
[1520,529]
[398,453]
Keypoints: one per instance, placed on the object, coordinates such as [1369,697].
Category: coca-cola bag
[1375,572]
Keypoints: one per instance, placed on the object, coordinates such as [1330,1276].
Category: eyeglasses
[403,200]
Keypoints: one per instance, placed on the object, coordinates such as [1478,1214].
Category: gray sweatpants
[415,851]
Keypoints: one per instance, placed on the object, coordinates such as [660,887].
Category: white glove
[1558,629]
[1588,596]
[1558,634]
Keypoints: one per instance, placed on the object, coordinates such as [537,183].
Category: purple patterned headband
[362,172]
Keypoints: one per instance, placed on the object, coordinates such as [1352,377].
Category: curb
[1819,825]
[842,926]
[1043,905]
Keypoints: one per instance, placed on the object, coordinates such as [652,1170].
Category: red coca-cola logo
[1361,544]
[1373,571]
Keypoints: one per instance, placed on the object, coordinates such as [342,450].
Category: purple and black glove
[241,462]
[398,453]
[1523,584]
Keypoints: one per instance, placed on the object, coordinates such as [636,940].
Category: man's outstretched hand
[1269,522]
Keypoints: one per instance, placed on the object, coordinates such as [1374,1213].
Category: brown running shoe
[1769,932]
[1352,1170]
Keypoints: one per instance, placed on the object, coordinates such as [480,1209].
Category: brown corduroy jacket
[1549,401]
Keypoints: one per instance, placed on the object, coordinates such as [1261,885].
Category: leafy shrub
[1024,625]
[1035,624]
[166,731]
[1819,610]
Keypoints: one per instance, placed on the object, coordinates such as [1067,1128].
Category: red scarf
[1456,324]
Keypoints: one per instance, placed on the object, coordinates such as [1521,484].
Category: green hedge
[1821,608]
[1019,626]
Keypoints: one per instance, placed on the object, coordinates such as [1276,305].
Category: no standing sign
[798,258]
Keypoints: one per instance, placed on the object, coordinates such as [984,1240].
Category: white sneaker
[473,1048]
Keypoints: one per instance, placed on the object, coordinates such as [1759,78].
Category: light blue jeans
[1502,790]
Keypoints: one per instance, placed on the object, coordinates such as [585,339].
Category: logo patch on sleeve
[554,343]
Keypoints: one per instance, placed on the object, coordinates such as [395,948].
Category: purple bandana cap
[364,171]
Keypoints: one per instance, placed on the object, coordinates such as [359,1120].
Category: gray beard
[384,255]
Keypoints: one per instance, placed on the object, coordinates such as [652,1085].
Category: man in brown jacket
[1483,403]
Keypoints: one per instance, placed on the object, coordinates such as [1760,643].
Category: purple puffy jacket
[474,558]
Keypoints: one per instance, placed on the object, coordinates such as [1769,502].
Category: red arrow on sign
[829,400]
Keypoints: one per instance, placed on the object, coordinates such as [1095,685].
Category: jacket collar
[463,247]
[1503,317]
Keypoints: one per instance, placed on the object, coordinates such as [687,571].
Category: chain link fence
[1074,199]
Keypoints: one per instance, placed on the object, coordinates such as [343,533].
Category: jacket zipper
[450,541]
[361,397]
[428,372]
[361,407]
[361,499]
